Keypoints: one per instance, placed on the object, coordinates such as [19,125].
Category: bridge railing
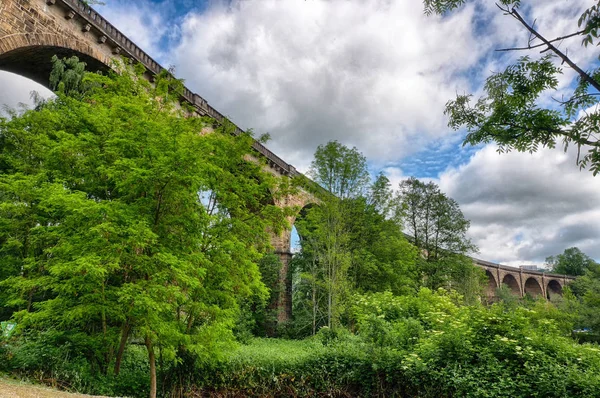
[111,32]
[131,49]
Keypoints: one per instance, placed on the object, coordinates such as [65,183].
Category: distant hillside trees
[571,262]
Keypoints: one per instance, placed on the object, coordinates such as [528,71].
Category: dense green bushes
[55,359]
[422,346]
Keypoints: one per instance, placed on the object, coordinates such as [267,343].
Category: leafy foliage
[132,242]
[351,242]
[571,262]
[340,170]
[425,345]
[512,113]
[103,234]
[434,221]
[66,75]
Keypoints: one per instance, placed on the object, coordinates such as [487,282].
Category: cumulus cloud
[526,206]
[374,74]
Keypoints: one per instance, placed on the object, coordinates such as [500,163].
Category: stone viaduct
[32,31]
[522,282]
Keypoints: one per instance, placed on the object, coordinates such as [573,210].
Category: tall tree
[381,196]
[434,221]
[341,170]
[438,228]
[510,113]
[103,229]
[326,241]
[571,262]
[352,241]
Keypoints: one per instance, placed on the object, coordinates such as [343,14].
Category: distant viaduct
[522,282]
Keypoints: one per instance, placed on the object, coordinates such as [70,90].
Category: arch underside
[30,55]
[35,63]
[512,284]
[533,287]
[492,284]
[554,288]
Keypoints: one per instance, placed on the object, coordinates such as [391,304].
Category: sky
[376,74]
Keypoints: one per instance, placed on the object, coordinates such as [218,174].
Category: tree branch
[529,47]
[560,54]
[560,132]
[575,98]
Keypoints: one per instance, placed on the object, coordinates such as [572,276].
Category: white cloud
[374,74]
[526,206]
[143,22]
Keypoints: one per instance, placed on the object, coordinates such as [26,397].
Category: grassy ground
[17,389]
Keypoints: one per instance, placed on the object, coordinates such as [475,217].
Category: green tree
[439,229]
[587,289]
[434,221]
[510,113]
[381,256]
[381,196]
[328,245]
[352,241]
[340,170]
[343,172]
[66,75]
[103,233]
[309,292]
[571,262]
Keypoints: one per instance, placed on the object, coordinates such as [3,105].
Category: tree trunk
[124,336]
[152,362]
[330,294]
[314,305]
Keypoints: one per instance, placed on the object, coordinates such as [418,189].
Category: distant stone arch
[512,284]
[554,288]
[492,285]
[533,288]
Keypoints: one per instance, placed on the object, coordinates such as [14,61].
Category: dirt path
[16,389]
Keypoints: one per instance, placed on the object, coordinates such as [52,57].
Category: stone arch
[554,287]
[492,285]
[301,202]
[30,55]
[301,216]
[512,283]
[532,287]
